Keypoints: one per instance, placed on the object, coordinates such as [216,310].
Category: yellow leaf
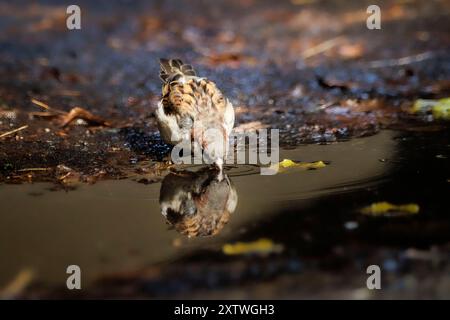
[382,208]
[262,246]
[18,284]
[286,164]
[440,109]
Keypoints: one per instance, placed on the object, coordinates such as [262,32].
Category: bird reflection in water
[197,203]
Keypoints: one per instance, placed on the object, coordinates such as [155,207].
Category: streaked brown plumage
[197,203]
[190,106]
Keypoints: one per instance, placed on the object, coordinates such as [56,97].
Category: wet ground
[88,192]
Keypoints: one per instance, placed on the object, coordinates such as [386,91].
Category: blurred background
[81,159]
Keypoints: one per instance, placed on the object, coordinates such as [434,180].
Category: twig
[13,131]
[34,169]
[326,105]
[321,47]
[64,176]
[47,107]
[402,61]
[43,114]
[40,104]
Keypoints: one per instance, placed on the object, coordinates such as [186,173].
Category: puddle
[267,63]
[114,226]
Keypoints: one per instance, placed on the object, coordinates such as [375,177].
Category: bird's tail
[173,69]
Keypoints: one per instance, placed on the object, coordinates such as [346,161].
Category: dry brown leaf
[80,113]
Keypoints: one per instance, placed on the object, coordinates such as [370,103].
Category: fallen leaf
[67,176]
[68,117]
[261,246]
[230,59]
[351,51]
[80,113]
[287,164]
[440,109]
[386,208]
[17,285]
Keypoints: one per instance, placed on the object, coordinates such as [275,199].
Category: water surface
[114,226]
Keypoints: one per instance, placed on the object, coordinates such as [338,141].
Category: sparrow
[189,107]
[197,203]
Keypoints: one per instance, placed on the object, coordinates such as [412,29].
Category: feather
[190,106]
[173,69]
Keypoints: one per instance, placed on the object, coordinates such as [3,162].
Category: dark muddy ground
[259,53]
[309,68]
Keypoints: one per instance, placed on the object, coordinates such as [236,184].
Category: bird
[197,204]
[193,109]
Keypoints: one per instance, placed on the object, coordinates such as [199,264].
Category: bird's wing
[196,103]
[173,69]
[197,98]
[186,94]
